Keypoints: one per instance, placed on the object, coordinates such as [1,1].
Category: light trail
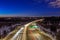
[17,34]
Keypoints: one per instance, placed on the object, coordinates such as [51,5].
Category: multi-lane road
[30,33]
[36,35]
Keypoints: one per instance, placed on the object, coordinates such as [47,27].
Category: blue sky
[27,8]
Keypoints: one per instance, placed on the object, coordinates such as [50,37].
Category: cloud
[55,4]
[51,3]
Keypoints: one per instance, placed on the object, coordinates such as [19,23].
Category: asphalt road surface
[33,34]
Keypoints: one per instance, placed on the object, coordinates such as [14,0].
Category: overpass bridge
[30,31]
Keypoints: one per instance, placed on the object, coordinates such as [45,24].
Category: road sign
[33,26]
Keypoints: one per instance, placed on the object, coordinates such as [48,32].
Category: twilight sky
[29,7]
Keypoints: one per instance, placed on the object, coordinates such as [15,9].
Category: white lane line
[17,34]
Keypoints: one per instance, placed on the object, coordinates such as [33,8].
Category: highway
[36,35]
[30,31]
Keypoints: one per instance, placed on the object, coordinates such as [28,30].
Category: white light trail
[17,34]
